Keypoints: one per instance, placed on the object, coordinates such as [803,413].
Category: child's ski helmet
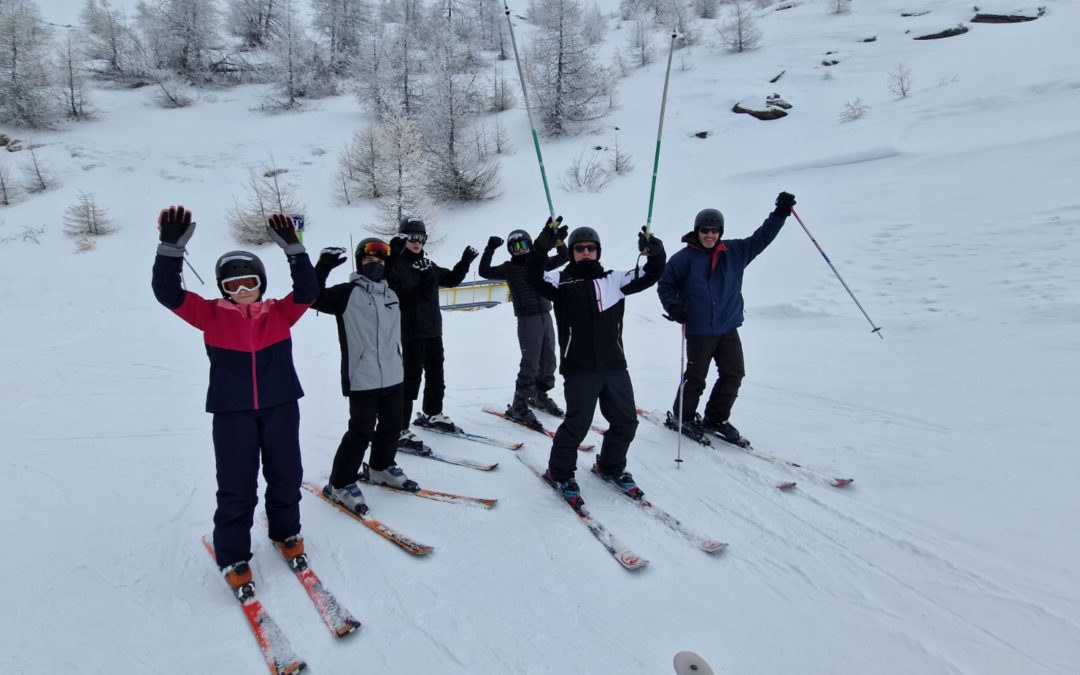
[239,264]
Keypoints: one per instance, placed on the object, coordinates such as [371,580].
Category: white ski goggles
[234,285]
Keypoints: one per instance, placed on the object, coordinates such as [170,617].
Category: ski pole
[352,252]
[876,329]
[682,388]
[193,270]
[528,111]
[660,135]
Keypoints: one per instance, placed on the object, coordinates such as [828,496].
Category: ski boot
[392,477]
[726,431]
[349,496]
[691,428]
[519,412]
[293,551]
[623,480]
[546,404]
[438,421]
[567,489]
[411,443]
[238,576]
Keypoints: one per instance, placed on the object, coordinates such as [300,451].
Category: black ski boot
[519,412]
[545,403]
[691,428]
[726,431]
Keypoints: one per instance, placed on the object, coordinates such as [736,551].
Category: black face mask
[373,270]
[586,269]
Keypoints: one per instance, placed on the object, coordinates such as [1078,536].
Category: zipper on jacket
[569,339]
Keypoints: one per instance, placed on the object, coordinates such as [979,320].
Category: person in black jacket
[536,332]
[416,280]
[589,312]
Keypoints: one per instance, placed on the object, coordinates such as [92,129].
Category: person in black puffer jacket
[416,280]
[589,309]
[535,330]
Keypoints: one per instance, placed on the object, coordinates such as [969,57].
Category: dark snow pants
[536,337]
[423,357]
[613,390]
[240,439]
[726,351]
[374,419]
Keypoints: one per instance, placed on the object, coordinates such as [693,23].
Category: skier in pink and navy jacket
[253,388]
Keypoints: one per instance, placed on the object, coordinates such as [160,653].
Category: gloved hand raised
[494,243]
[651,245]
[330,257]
[397,244]
[784,202]
[553,231]
[175,228]
[469,255]
[678,314]
[282,232]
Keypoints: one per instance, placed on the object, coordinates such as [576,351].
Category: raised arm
[486,270]
[329,300]
[536,259]
[656,257]
[305,291]
[453,277]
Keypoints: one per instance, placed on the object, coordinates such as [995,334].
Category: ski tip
[289,668]
[841,482]
[632,561]
[712,546]
[517,446]
[689,663]
[348,629]
[786,485]
[588,447]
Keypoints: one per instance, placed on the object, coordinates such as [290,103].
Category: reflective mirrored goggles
[234,285]
[586,248]
[416,237]
[518,245]
[376,249]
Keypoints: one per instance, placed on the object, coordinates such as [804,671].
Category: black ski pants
[240,440]
[726,351]
[423,357]
[375,420]
[613,390]
[536,337]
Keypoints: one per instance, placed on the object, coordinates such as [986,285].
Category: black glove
[553,231]
[282,232]
[650,245]
[494,243]
[678,314]
[422,265]
[469,255]
[175,227]
[330,257]
[397,244]
[784,202]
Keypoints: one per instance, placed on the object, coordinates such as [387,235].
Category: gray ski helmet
[412,226]
[516,236]
[581,235]
[239,264]
[709,218]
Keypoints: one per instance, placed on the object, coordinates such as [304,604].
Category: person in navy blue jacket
[701,288]
[253,388]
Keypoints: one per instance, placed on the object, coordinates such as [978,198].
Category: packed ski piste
[389,326]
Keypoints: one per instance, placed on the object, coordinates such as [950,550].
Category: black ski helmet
[581,235]
[709,218]
[516,236]
[239,264]
[364,242]
[412,226]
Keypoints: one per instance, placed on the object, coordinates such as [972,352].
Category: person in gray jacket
[369,331]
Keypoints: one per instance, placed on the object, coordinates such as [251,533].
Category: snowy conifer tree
[254,21]
[455,168]
[402,173]
[570,86]
[27,94]
[340,24]
[110,43]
